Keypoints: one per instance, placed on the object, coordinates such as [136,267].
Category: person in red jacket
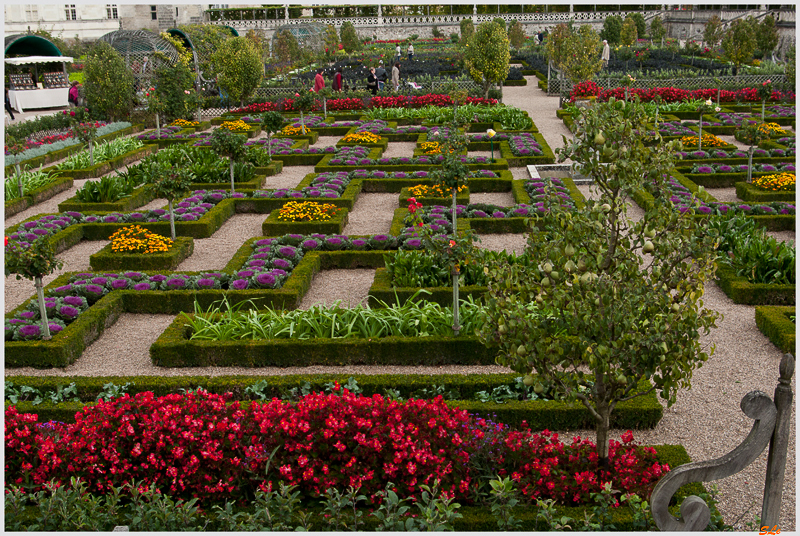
[319,82]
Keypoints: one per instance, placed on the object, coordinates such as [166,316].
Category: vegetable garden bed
[740,290]
[140,196]
[102,168]
[748,192]
[34,197]
[272,226]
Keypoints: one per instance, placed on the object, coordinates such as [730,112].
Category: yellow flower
[307,211]
[778,182]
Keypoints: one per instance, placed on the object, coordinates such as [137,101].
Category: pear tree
[614,309]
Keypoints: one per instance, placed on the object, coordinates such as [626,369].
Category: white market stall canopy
[37,59]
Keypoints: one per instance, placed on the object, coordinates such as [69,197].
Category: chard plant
[226,143]
[33,261]
[624,297]
[15,147]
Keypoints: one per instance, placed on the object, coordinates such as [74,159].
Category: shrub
[349,37]
[612,28]
[108,83]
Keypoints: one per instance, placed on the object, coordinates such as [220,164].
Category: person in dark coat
[381,75]
[9,109]
[372,81]
[337,80]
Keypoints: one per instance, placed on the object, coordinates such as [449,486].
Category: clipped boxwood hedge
[324,165]
[102,168]
[774,322]
[253,184]
[272,169]
[719,180]
[740,290]
[105,259]
[174,349]
[272,226]
[748,192]
[475,184]
[139,197]
[33,197]
[462,198]
[547,156]
[639,413]
[263,205]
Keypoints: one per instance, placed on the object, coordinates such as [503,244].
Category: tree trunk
[750,164]
[42,309]
[269,145]
[199,114]
[230,161]
[91,153]
[171,221]
[763,105]
[302,123]
[158,126]
[603,427]
[718,92]
[19,175]
[325,106]
[456,321]
[700,136]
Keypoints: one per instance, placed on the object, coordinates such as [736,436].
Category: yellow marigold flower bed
[235,126]
[289,130]
[709,140]
[183,123]
[135,239]
[777,182]
[307,211]
[422,190]
[771,129]
[362,137]
[431,147]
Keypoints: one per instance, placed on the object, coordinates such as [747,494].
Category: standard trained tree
[349,37]
[516,35]
[487,56]
[467,30]
[629,33]
[713,32]
[238,67]
[739,42]
[107,83]
[612,26]
[767,35]
[613,302]
[575,52]
[657,30]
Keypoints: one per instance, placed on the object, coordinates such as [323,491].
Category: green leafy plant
[172,184]
[393,512]
[112,390]
[106,190]
[739,42]
[238,67]
[504,498]
[271,122]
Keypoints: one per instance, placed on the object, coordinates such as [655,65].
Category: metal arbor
[142,51]
[309,35]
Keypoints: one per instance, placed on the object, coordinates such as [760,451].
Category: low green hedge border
[103,168]
[139,197]
[105,259]
[272,226]
[383,291]
[500,165]
[774,322]
[740,290]
[33,197]
[310,136]
[720,180]
[261,205]
[272,169]
[522,82]
[748,192]
[174,349]
[382,144]
[253,184]
[639,413]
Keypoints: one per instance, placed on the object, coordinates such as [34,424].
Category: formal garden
[248,305]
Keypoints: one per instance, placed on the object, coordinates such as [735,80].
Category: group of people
[397,52]
[376,79]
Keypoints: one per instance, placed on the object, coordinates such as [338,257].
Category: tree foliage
[713,32]
[206,39]
[612,27]
[790,66]
[331,40]
[767,35]
[629,33]
[349,37]
[612,301]
[739,42]
[575,52]
[171,83]
[107,83]
[487,55]
[238,67]
[467,30]
[657,30]
[286,49]
[516,35]
[641,25]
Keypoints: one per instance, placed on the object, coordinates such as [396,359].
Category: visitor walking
[319,82]
[410,51]
[337,80]
[74,95]
[396,76]
[606,53]
[381,75]
[9,109]
[397,53]
[372,81]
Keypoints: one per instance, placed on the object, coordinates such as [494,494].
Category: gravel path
[706,418]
